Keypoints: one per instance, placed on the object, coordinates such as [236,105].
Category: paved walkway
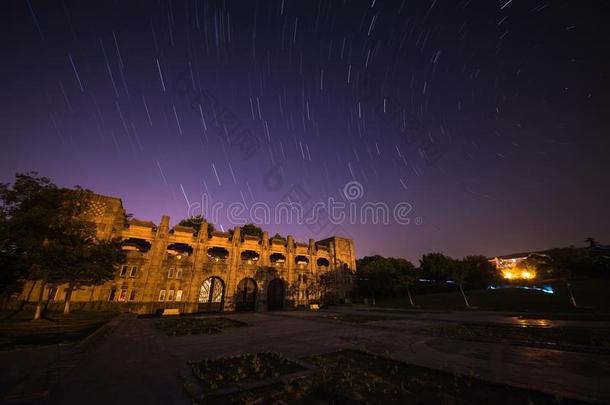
[137,364]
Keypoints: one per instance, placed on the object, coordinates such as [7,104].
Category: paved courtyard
[130,361]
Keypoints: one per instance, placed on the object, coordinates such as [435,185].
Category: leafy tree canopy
[46,234]
[249,229]
[437,266]
[476,271]
[195,223]
[384,276]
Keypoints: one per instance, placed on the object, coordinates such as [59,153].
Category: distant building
[509,268]
[182,269]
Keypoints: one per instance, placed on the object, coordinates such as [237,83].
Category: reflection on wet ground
[533,323]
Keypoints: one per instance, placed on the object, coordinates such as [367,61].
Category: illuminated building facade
[512,268]
[183,269]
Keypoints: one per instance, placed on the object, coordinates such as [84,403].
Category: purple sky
[490,118]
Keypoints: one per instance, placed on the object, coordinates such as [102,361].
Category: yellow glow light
[528,275]
[518,274]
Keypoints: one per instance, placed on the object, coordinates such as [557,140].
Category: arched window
[211,295]
[277,258]
[250,256]
[301,261]
[323,263]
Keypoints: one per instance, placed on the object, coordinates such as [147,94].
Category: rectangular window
[170,272]
[123,271]
[170,295]
[132,296]
[112,294]
[123,294]
[178,295]
[162,295]
[179,273]
[134,271]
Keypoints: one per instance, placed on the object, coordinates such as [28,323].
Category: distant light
[515,273]
[547,289]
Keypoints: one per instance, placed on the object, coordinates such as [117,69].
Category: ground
[133,361]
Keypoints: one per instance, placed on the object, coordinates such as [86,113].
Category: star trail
[488,118]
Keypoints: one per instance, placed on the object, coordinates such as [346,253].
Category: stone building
[201,271]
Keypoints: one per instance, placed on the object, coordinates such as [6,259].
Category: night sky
[490,118]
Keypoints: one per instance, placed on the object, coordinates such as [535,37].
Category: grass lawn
[351,376]
[196,326]
[593,295]
[21,331]
[580,339]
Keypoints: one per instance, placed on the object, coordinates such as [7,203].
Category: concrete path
[137,364]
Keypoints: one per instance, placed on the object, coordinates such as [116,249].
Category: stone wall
[179,259]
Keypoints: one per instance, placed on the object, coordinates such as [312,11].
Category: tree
[592,242]
[405,277]
[252,230]
[474,270]
[90,262]
[249,229]
[278,236]
[380,276]
[32,210]
[480,271]
[460,273]
[13,271]
[375,276]
[565,263]
[48,230]
[437,266]
[195,223]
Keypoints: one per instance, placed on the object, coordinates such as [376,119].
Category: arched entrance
[245,296]
[212,295]
[275,295]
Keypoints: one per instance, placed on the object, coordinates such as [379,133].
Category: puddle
[533,323]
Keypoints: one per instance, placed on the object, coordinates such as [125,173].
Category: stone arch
[323,262]
[217,254]
[212,295]
[250,256]
[276,293]
[301,260]
[277,258]
[245,295]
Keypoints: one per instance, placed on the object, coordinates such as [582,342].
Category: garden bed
[352,376]
[196,326]
[242,370]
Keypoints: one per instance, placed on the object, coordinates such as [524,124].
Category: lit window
[134,271]
[179,295]
[179,273]
[123,294]
[132,296]
[123,271]
[162,295]
[170,272]
[170,295]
